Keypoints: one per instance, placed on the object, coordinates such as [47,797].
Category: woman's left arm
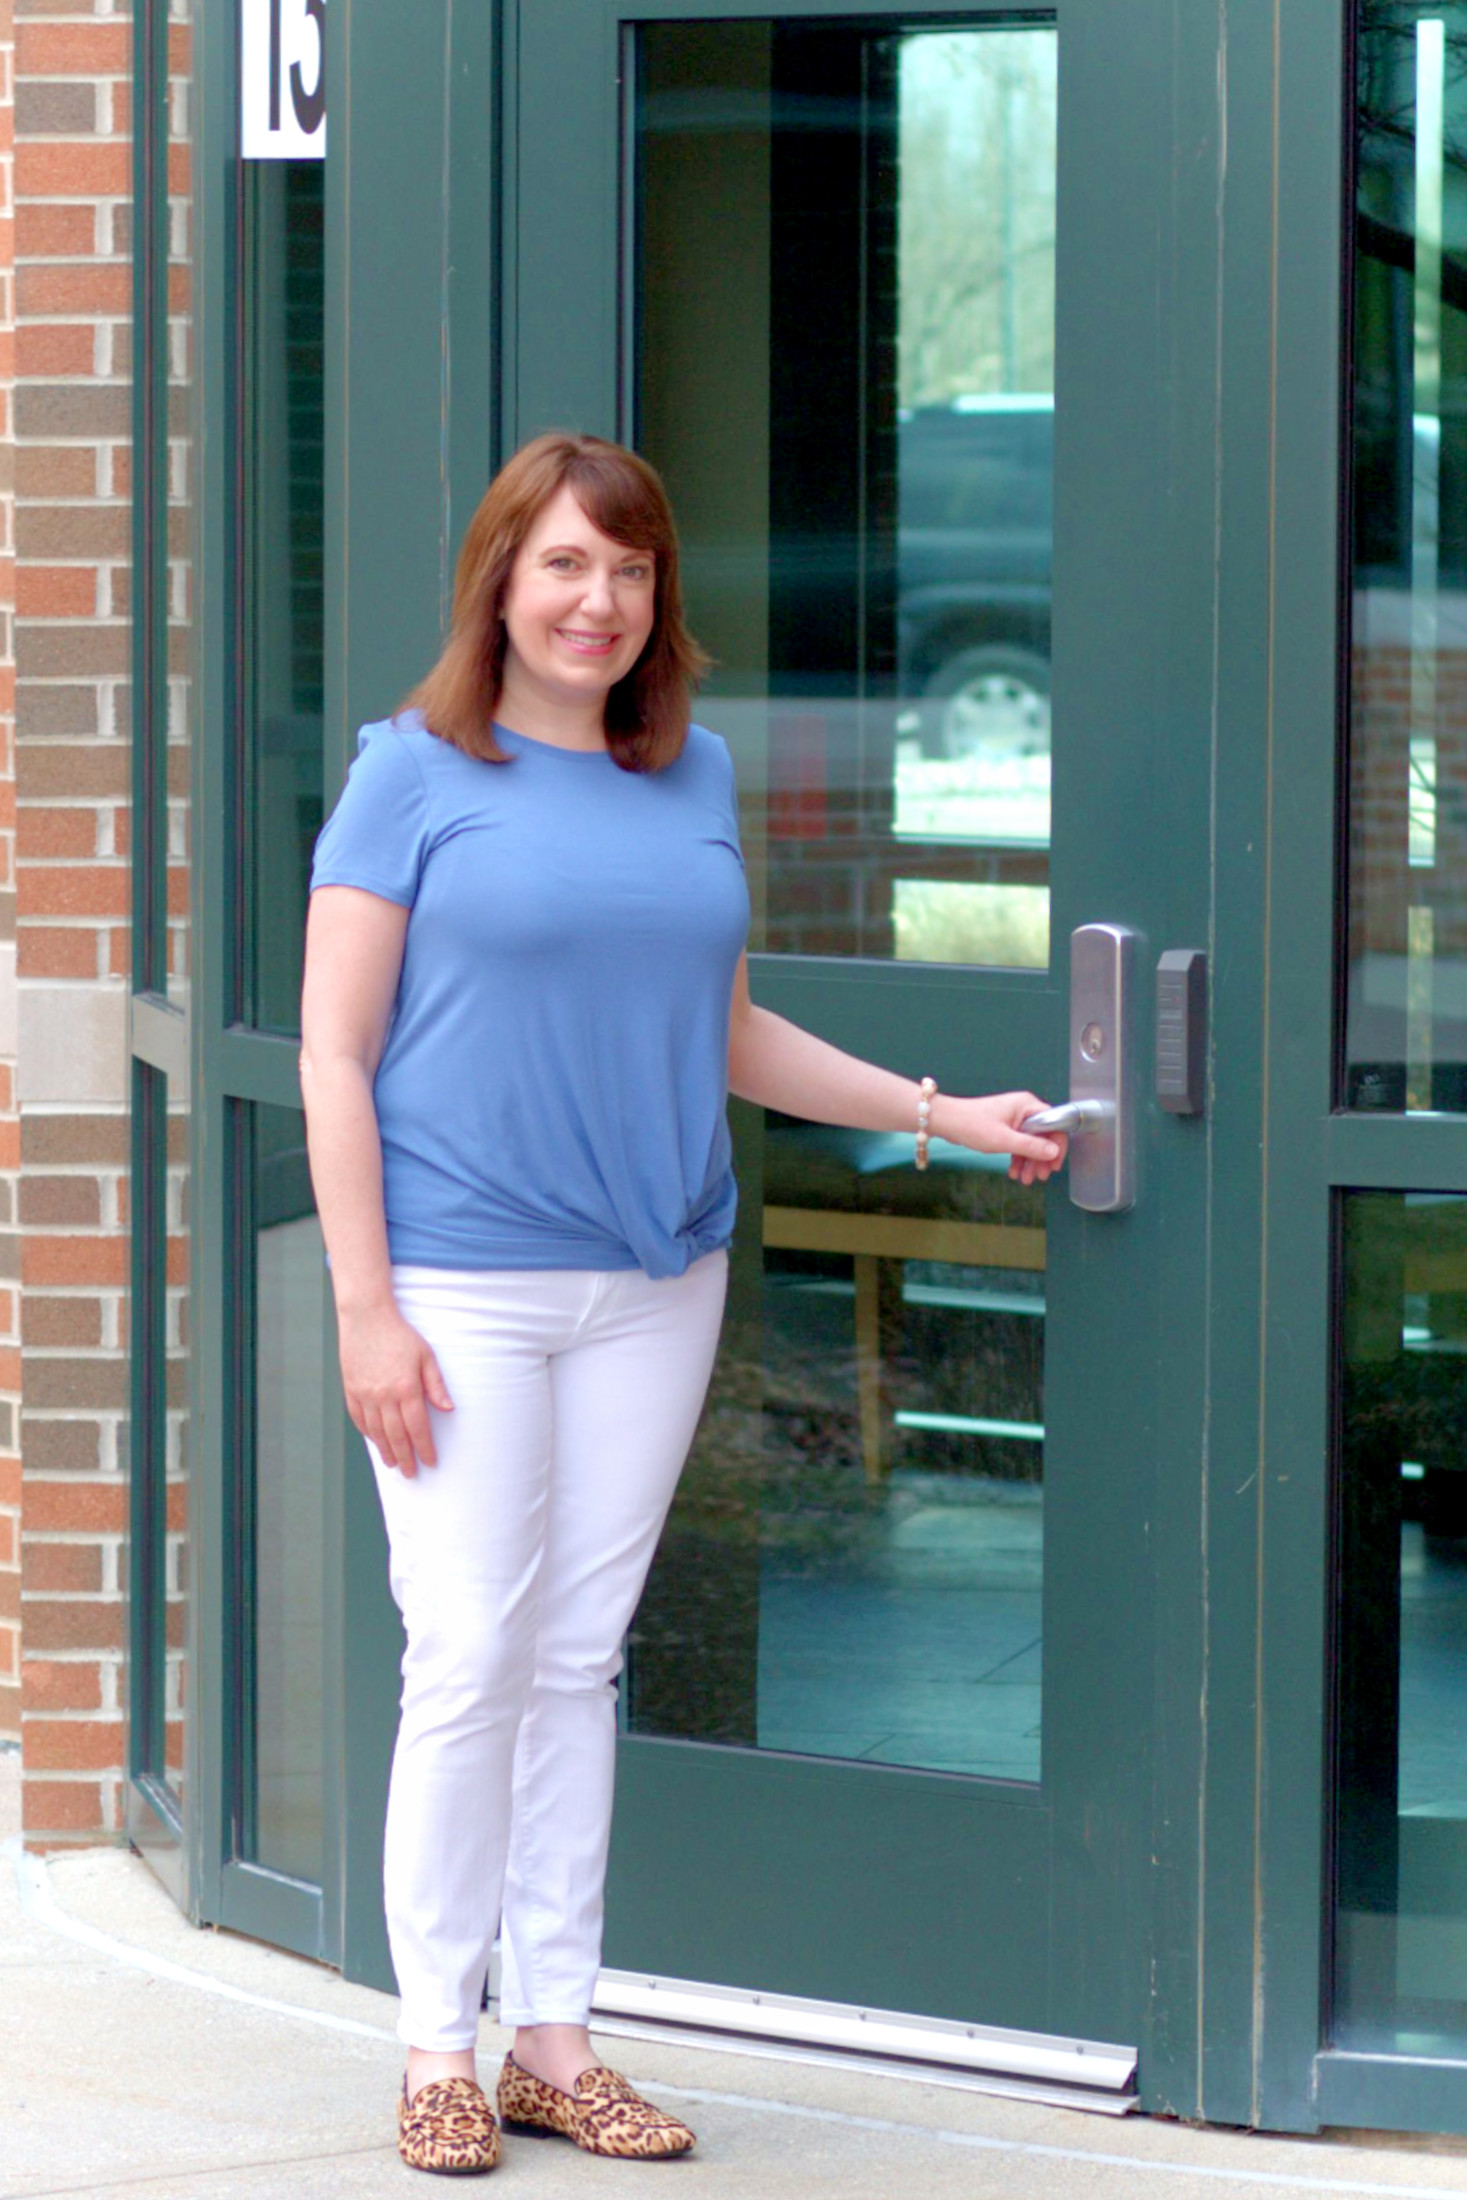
[776,1064]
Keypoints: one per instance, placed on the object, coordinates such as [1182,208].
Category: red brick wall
[72,427]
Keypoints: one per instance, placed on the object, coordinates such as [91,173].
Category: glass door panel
[862,461]
[862,469]
[858,1556]
[1401,1946]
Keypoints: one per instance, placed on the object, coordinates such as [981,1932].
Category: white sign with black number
[282,79]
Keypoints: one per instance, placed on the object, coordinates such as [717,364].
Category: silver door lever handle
[1075,1116]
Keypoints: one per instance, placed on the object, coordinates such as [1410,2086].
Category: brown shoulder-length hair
[647,711]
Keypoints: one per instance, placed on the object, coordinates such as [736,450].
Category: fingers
[388,1431]
[401,1429]
[434,1387]
[393,1407]
[1045,1146]
[1036,1154]
[419,1430]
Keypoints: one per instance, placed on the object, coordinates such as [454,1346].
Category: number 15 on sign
[282,79]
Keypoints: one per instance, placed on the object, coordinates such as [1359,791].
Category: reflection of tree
[977,213]
[1386,103]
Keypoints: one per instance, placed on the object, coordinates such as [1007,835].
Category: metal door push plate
[1100,1114]
[1102,1161]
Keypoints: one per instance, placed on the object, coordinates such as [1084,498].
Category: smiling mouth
[587,645]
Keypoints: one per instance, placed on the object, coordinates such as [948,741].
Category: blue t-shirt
[552,1091]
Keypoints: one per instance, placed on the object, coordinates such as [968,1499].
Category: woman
[525,1002]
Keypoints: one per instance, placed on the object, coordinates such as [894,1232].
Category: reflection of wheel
[992,700]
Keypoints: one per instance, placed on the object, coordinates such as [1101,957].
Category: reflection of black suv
[974,555]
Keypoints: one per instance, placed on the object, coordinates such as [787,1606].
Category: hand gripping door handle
[1100,1114]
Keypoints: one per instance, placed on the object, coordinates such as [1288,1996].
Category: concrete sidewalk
[144,2060]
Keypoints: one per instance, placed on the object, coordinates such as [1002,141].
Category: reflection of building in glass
[864,473]
[1407,998]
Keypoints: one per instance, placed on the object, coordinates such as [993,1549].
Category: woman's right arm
[354,945]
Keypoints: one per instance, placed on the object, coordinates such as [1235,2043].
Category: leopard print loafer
[603,2116]
[447,2128]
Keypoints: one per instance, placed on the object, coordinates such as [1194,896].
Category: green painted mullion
[150,259]
[214,1629]
[1408,1153]
[1309,219]
[147,1495]
[255,1065]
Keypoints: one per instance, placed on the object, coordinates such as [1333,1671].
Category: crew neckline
[551,748]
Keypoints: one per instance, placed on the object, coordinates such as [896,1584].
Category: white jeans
[517,1563]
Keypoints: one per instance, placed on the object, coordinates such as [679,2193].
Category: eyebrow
[554,549]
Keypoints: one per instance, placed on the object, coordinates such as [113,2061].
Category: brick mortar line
[72,1596]
[99,1717]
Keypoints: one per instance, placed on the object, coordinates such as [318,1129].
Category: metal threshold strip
[1030,2066]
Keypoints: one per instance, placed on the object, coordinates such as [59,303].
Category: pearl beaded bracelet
[926,1094]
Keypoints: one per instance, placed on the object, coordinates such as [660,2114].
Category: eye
[562,562]
[637,571]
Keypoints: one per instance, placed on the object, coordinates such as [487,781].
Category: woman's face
[578,608]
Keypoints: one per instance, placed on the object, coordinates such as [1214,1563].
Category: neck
[564,723]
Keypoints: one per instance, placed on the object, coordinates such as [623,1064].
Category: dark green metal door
[980,1676]
[921,314]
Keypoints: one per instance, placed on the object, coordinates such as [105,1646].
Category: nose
[597,601]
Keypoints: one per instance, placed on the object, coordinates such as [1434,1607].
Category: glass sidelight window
[1401,1946]
[1406,1022]
[845,371]
[844,326]
[277,1337]
[282,577]
[281,1514]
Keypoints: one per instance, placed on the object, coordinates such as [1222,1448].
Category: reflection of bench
[832,1191]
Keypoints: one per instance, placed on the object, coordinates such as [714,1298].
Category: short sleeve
[731,782]
[377,835]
